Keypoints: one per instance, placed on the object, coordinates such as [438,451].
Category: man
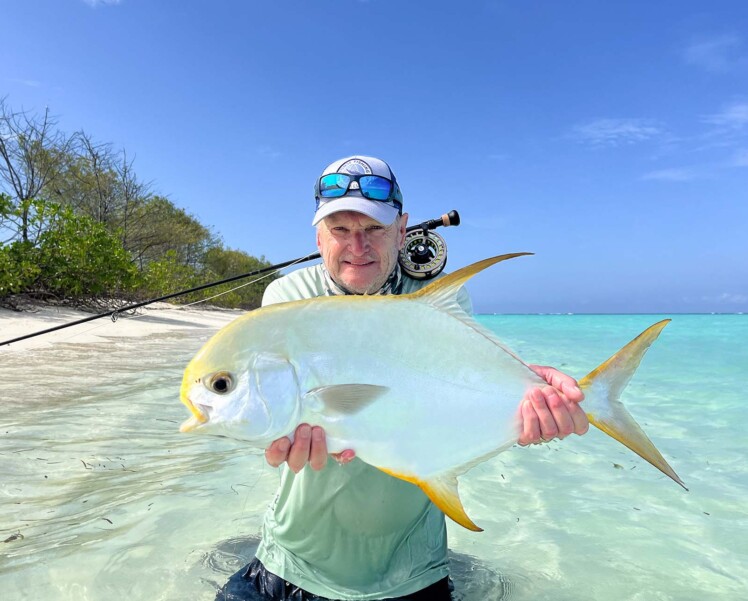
[349,531]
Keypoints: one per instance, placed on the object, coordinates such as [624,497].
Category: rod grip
[451,218]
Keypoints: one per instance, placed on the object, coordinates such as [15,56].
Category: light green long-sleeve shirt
[351,531]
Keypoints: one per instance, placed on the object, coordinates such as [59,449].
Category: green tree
[19,270]
[101,183]
[167,275]
[159,226]
[81,259]
[221,263]
[6,229]
[31,153]
[76,223]
[71,258]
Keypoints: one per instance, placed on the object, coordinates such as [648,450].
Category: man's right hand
[309,446]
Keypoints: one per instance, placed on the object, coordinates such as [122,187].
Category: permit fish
[412,383]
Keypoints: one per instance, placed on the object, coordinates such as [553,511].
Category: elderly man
[346,530]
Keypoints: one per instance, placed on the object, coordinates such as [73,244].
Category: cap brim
[379,211]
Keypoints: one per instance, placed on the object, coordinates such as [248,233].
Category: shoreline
[155,319]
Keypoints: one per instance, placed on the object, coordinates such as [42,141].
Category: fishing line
[205,300]
[115,314]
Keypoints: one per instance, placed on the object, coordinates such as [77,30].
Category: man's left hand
[551,411]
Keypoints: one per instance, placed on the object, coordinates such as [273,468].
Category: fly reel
[424,254]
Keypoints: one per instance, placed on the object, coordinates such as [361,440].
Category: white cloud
[671,175]
[31,83]
[717,54]
[729,298]
[730,301]
[96,3]
[741,158]
[268,152]
[616,132]
[733,116]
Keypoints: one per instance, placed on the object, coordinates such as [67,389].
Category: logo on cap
[355,167]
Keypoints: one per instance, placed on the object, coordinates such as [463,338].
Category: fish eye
[220,382]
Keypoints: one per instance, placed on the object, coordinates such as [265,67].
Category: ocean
[102,498]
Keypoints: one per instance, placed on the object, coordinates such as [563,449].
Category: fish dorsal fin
[346,398]
[443,292]
[442,490]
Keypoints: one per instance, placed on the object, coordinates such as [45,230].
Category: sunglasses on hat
[372,187]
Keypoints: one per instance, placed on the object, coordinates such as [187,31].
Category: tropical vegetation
[78,226]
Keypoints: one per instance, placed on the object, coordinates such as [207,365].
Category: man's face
[359,252]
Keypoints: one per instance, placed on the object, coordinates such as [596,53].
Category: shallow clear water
[102,498]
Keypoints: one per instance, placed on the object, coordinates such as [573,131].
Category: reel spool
[424,254]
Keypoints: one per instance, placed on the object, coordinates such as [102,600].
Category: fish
[412,383]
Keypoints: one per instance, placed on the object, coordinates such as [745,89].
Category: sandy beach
[153,319]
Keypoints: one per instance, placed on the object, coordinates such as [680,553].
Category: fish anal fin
[347,398]
[443,493]
[442,292]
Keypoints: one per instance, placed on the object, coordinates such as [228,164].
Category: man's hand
[551,411]
[309,446]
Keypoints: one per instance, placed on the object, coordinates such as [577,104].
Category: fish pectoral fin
[443,493]
[346,398]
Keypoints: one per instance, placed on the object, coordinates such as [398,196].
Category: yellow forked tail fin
[604,385]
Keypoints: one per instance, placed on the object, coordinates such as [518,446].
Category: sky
[608,138]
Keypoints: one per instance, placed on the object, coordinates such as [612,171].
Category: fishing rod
[423,256]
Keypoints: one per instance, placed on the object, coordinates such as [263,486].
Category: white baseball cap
[384,211]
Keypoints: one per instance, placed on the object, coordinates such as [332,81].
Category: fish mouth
[191,424]
[200,415]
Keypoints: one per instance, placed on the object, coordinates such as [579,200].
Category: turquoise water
[102,498]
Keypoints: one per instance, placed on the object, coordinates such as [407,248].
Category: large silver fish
[354,365]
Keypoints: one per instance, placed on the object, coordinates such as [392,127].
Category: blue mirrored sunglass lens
[333,185]
[375,187]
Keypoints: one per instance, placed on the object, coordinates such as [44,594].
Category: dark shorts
[255,583]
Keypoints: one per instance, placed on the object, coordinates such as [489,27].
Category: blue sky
[611,139]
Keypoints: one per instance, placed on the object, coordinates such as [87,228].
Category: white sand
[152,319]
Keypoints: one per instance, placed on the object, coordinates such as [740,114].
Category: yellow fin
[443,493]
[602,387]
[443,292]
